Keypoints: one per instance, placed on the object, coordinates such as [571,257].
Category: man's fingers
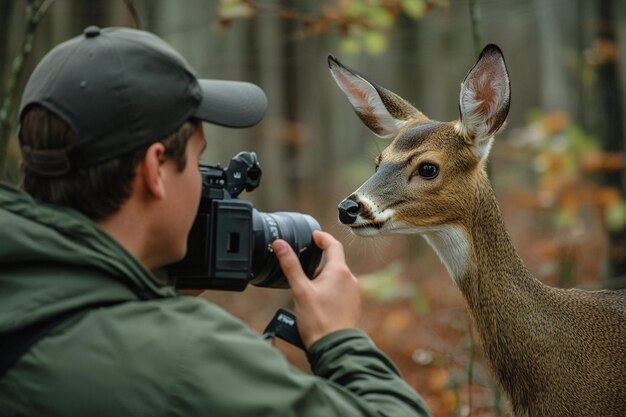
[331,246]
[289,263]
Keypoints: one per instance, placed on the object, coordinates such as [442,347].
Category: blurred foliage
[235,9]
[387,284]
[363,24]
[568,162]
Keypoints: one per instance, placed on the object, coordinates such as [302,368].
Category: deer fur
[556,352]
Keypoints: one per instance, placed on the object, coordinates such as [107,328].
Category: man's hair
[96,191]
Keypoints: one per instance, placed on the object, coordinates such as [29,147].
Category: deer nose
[348,211]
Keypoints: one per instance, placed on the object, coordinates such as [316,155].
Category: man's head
[111,125]
[97,191]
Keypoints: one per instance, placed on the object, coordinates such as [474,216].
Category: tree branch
[130,5]
[34,10]
[475,20]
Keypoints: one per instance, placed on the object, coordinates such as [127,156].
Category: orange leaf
[602,161]
[555,122]
[607,196]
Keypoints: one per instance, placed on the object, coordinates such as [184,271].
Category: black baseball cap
[120,89]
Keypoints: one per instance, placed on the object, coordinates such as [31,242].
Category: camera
[230,241]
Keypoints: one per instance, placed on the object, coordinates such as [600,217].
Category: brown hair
[96,191]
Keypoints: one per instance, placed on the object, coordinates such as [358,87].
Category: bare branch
[130,5]
[35,9]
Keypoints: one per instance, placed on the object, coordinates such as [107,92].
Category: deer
[555,352]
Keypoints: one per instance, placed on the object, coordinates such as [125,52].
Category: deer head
[426,179]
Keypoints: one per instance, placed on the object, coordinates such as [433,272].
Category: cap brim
[231,103]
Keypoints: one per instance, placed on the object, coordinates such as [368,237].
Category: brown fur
[556,352]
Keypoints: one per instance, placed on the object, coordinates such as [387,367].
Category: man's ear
[150,170]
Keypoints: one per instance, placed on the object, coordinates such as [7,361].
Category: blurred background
[558,166]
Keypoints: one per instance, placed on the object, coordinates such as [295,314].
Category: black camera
[230,241]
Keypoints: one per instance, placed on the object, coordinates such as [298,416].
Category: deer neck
[477,251]
[494,268]
[500,292]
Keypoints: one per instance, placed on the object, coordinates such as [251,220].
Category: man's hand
[328,303]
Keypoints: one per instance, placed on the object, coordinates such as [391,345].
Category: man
[111,136]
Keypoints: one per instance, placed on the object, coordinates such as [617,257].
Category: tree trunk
[610,126]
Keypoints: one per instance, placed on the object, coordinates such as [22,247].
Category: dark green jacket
[151,352]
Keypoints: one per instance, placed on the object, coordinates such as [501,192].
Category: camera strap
[284,326]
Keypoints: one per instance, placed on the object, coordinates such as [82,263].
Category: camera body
[229,244]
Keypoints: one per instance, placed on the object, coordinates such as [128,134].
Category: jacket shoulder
[135,350]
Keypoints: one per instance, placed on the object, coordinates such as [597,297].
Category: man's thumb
[289,263]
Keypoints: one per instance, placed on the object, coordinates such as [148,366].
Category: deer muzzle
[349,211]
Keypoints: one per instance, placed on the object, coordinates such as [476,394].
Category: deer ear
[382,111]
[485,100]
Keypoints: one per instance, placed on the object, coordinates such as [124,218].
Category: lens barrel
[297,230]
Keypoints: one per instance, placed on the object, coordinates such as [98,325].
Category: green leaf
[415,9]
[235,9]
[615,216]
[375,42]
[379,17]
[564,218]
[350,45]
[420,304]
[356,8]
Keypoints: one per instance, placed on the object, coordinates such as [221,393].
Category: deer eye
[428,171]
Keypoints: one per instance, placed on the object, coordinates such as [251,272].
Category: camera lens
[297,230]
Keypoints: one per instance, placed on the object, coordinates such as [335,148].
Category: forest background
[558,167]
